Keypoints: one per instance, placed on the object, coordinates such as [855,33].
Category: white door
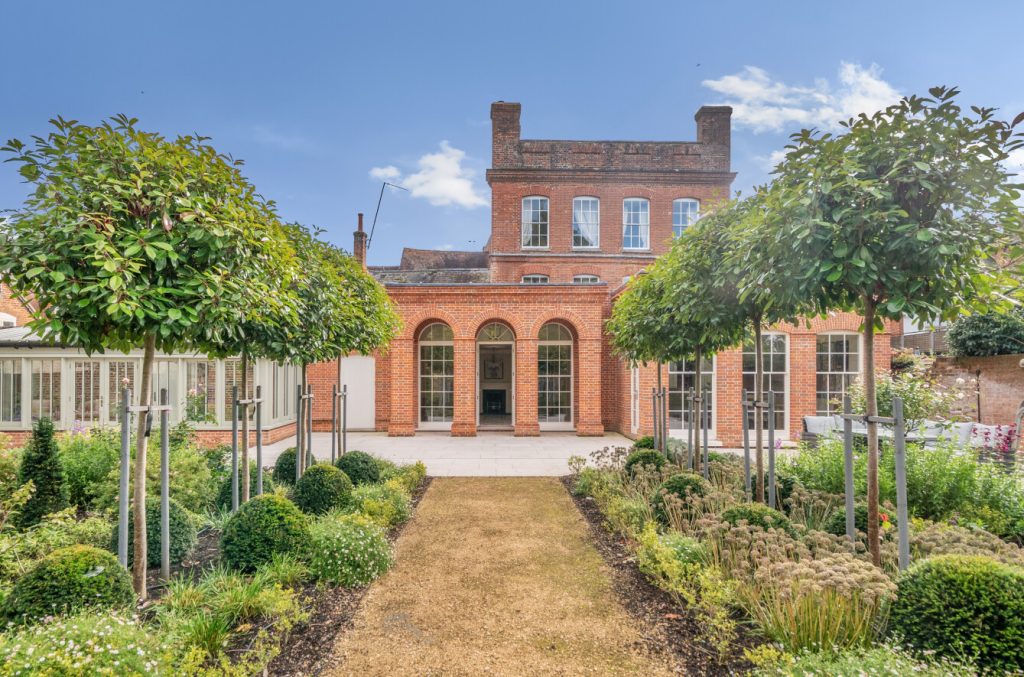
[358,374]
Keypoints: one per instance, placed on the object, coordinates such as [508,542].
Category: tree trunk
[337,427]
[871,409]
[139,554]
[245,429]
[697,424]
[658,427]
[758,411]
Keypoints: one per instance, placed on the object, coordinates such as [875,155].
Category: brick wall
[12,306]
[1000,384]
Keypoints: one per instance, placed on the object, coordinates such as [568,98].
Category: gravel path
[495,576]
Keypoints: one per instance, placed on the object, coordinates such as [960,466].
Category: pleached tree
[342,309]
[905,213]
[131,240]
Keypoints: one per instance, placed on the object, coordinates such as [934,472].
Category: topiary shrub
[322,488]
[183,533]
[386,504]
[348,550]
[68,580]
[987,334]
[645,442]
[41,465]
[836,524]
[360,467]
[641,458]
[680,485]
[758,515]
[963,606]
[224,492]
[263,526]
[284,468]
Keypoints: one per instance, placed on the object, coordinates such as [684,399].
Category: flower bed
[287,571]
[809,597]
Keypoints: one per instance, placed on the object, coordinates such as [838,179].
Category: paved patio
[487,454]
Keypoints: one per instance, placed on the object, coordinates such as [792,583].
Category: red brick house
[512,337]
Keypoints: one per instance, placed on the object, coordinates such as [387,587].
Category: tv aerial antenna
[380,197]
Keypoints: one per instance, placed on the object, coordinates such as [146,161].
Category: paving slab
[487,454]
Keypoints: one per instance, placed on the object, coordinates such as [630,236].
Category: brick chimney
[714,125]
[505,134]
[359,246]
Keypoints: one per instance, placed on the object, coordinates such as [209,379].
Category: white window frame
[586,279]
[781,433]
[643,225]
[691,214]
[817,372]
[7,320]
[709,369]
[571,423]
[593,206]
[420,343]
[526,227]
[535,278]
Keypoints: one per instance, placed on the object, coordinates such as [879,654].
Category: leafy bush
[987,334]
[758,515]
[836,524]
[108,643]
[924,397]
[19,551]
[642,458]
[411,476]
[590,482]
[87,459]
[686,550]
[224,492]
[878,661]
[284,468]
[833,602]
[322,488]
[262,527]
[40,465]
[193,484]
[682,486]
[348,549]
[941,480]
[627,515]
[68,580]
[963,606]
[386,504]
[183,533]
[10,462]
[645,442]
[360,467]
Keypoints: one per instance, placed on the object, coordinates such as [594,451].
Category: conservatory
[78,391]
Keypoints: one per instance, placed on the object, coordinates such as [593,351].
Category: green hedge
[68,580]
[262,527]
[963,606]
[987,334]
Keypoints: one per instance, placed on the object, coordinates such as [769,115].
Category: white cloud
[441,179]
[1015,163]
[446,247]
[765,104]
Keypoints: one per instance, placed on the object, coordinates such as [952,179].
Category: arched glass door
[496,380]
[436,377]
[554,377]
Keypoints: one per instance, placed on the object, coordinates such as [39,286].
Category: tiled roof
[439,259]
[20,337]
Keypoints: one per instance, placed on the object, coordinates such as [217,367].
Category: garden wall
[1000,388]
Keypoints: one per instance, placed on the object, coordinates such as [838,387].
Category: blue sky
[323,99]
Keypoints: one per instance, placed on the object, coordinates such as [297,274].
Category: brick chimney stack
[359,246]
[714,128]
[505,134]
